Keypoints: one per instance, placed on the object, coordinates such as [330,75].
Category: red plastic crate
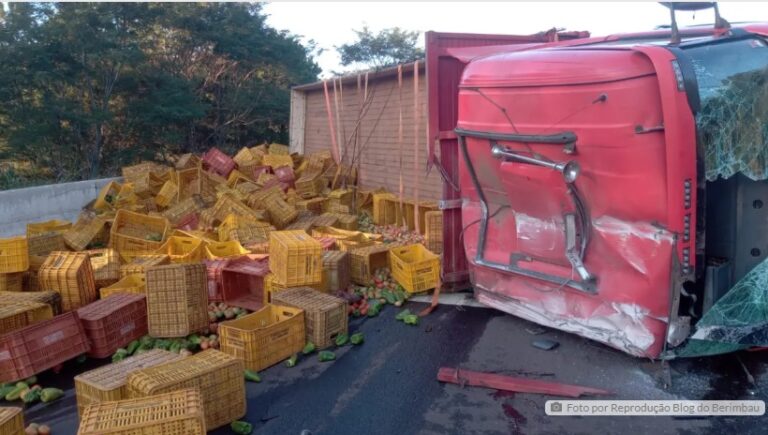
[242,283]
[113,322]
[39,347]
[329,243]
[213,269]
[285,175]
[219,162]
[189,222]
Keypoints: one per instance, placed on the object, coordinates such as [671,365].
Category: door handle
[569,169]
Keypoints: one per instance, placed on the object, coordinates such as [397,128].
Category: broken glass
[737,321]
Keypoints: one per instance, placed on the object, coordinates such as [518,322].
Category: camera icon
[556,407]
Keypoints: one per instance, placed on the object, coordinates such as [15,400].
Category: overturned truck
[613,187]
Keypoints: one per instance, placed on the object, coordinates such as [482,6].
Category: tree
[95,86]
[380,50]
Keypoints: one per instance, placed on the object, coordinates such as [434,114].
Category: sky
[330,24]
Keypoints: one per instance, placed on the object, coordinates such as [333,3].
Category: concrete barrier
[41,203]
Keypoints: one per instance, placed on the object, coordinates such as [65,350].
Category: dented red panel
[629,178]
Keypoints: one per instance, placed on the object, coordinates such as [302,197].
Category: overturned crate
[14,255]
[295,258]
[108,383]
[325,316]
[70,274]
[113,322]
[264,338]
[86,232]
[140,263]
[17,315]
[39,347]
[242,283]
[106,266]
[179,412]
[336,271]
[218,376]
[130,284]
[177,300]
[365,261]
[50,298]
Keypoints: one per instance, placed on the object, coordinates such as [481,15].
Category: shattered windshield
[733,87]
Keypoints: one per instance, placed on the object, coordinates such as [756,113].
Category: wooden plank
[515,384]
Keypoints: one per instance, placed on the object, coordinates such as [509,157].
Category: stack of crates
[218,377]
[108,383]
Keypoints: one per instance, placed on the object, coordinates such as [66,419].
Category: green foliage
[379,50]
[95,86]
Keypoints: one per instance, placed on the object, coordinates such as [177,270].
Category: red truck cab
[588,182]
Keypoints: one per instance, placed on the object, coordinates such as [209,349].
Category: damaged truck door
[574,202]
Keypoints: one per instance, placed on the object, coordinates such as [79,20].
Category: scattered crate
[85,232]
[177,300]
[218,162]
[12,282]
[242,283]
[275,161]
[131,284]
[415,268]
[345,221]
[182,249]
[44,243]
[178,412]
[385,209]
[336,271]
[70,274]
[51,226]
[107,196]
[108,383]
[295,258]
[313,205]
[279,149]
[105,264]
[264,338]
[50,298]
[310,184]
[365,261]
[325,316]
[113,322]
[189,182]
[14,255]
[35,348]
[139,264]
[11,421]
[218,377]
[187,161]
[245,157]
[167,194]
[281,213]
[433,231]
[214,268]
[16,315]
[303,224]
[228,249]
[137,234]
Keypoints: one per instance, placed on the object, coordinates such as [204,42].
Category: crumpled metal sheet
[737,321]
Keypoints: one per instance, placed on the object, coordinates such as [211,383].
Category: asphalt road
[388,385]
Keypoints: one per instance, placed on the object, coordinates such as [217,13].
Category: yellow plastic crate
[295,258]
[415,268]
[281,214]
[167,194]
[130,284]
[107,196]
[183,249]
[386,209]
[279,149]
[178,412]
[366,260]
[231,248]
[177,300]
[264,338]
[11,421]
[86,231]
[433,231]
[106,266]
[55,226]
[17,315]
[218,377]
[139,264]
[70,274]
[42,244]
[14,255]
[135,234]
[244,157]
[12,282]
[108,383]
